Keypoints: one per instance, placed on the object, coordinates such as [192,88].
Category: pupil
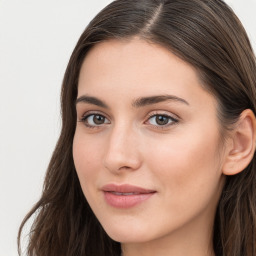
[98,119]
[161,120]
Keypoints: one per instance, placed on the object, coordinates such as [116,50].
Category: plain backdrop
[36,40]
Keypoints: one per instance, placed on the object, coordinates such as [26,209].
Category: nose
[122,151]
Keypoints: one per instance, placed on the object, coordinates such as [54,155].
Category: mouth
[125,196]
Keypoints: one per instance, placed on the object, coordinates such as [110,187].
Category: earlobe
[242,146]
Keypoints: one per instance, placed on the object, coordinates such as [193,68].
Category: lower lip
[126,201]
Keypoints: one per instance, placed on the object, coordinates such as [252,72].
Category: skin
[180,161]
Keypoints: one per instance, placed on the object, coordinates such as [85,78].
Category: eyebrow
[145,101]
[140,102]
[91,100]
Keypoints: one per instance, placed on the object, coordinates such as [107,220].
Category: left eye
[161,120]
[95,120]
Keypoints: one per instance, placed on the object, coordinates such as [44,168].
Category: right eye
[94,120]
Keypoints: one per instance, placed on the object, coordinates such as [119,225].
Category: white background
[36,40]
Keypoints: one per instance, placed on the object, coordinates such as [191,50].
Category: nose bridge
[122,148]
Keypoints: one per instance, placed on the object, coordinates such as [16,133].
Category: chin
[127,235]
[127,238]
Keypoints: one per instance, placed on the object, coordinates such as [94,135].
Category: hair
[204,33]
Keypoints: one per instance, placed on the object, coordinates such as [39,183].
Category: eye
[161,120]
[94,120]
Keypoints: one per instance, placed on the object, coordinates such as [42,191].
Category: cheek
[187,164]
[187,174]
[86,155]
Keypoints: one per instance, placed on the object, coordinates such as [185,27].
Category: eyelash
[171,120]
[84,120]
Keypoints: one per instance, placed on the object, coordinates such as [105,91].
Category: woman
[156,153]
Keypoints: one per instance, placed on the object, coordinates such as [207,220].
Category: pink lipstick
[125,196]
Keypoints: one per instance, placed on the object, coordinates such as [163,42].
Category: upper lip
[126,188]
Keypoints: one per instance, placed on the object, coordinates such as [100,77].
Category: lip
[126,196]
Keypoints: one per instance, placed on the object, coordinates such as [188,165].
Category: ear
[241,146]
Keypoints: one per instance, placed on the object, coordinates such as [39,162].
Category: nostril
[119,164]
[124,167]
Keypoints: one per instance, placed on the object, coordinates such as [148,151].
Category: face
[147,142]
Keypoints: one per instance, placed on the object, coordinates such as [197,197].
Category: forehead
[138,68]
[134,52]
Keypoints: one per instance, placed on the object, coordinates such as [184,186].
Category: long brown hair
[204,33]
